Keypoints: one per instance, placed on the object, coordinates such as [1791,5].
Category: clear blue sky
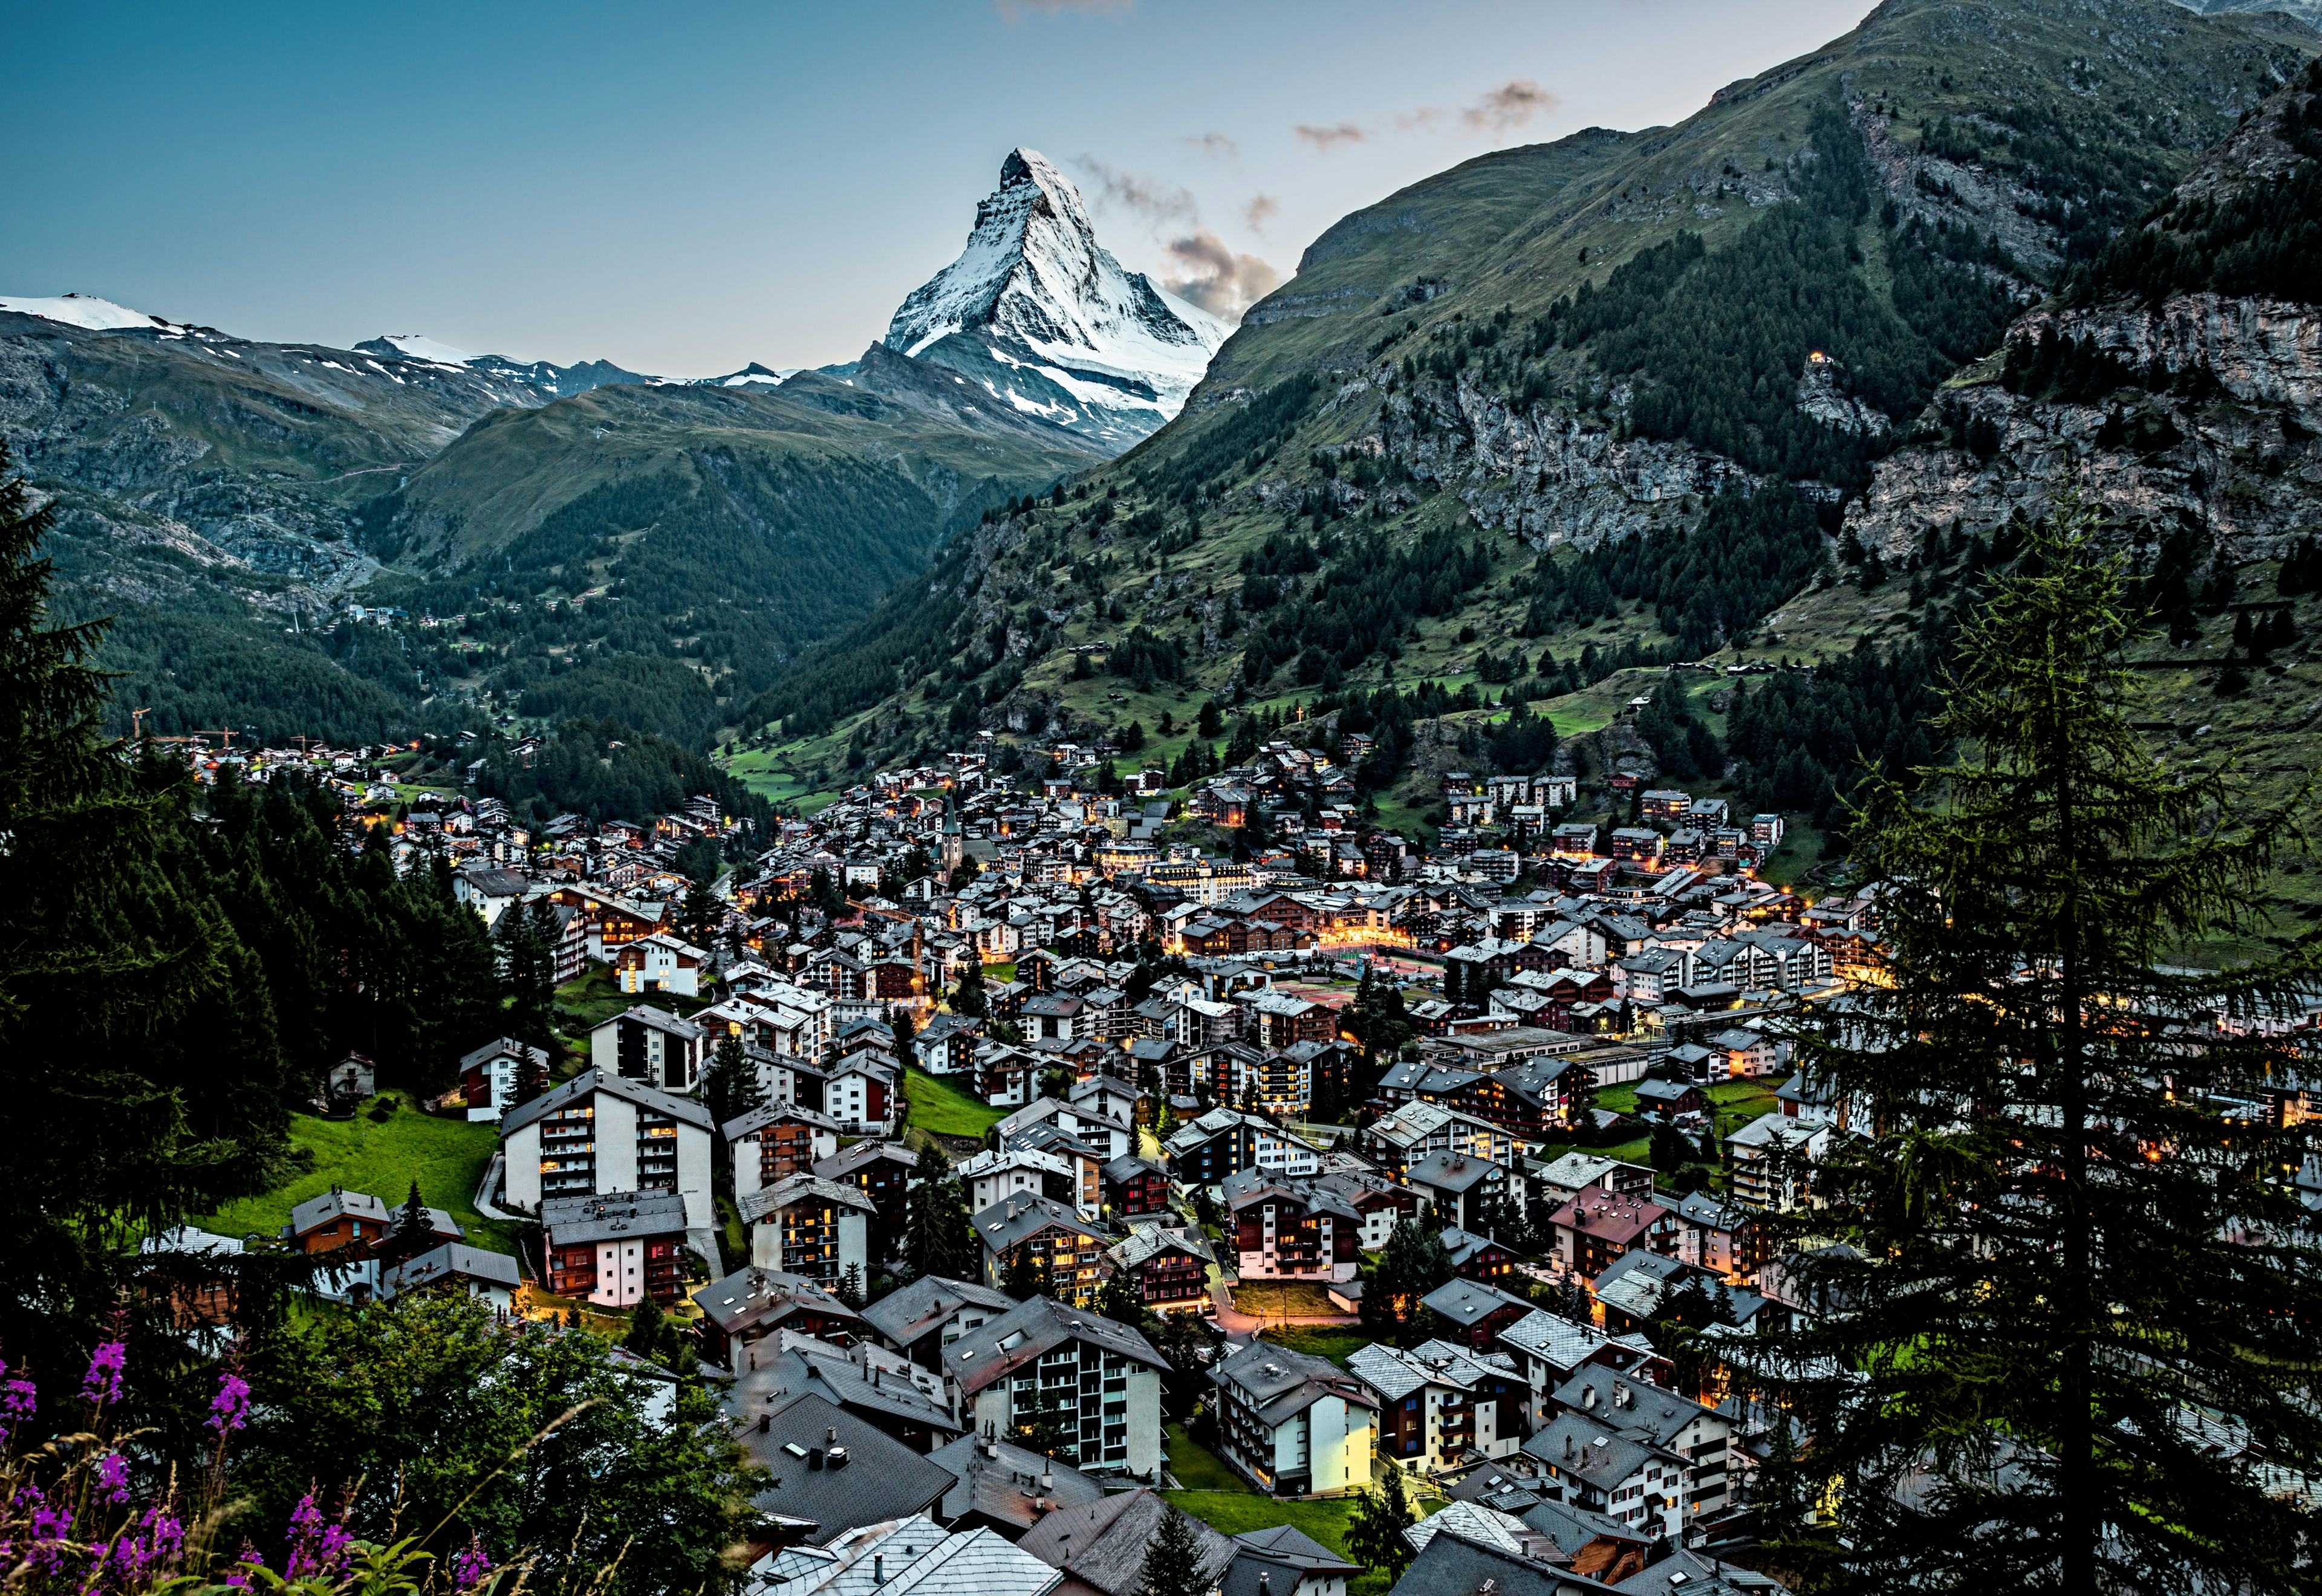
[683,187]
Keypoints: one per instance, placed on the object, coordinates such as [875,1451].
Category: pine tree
[1172,1562]
[938,1237]
[531,1076]
[1027,1275]
[140,1056]
[900,1028]
[413,1219]
[2068,1251]
[1123,1301]
[730,1087]
[1374,1529]
[849,1288]
[649,1332]
[968,997]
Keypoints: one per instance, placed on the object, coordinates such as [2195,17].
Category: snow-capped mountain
[88,311]
[550,380]
[1040,314]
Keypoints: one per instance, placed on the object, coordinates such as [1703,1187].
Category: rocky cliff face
[2222,431]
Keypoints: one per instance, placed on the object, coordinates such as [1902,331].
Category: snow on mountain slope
[1042,316]
[84,310]
[417,348]
[752,375]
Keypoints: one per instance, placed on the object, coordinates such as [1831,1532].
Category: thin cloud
[1510,107]
[1326,139]
[1213,277]
[1156,201]
[1213,144]
[1421,121]
[1015,10]
[1261,209]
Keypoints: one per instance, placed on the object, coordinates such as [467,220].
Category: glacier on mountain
[1040,314]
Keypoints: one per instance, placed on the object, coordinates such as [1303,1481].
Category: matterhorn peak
[1040,314]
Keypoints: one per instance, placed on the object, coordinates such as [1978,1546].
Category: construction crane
[137,725]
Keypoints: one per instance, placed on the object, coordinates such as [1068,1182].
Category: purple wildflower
[306,1525]
[473,1566]
[102,1383]
[230,1408]
[113,1477]
[18,1401]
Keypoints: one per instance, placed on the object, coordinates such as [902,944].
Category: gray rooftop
[611,1216]
[685,1110]
[881,1478]
[1004,1345]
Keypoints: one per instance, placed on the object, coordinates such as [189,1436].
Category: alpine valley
[1760,393]
[369,542]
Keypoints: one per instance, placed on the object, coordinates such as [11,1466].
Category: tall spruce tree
[938,1237]
[1173,1560]
[2072,1333]
[139,1055]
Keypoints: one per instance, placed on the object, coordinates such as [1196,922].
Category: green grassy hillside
[1509,435]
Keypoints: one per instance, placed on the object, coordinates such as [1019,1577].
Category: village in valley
[1016,1157]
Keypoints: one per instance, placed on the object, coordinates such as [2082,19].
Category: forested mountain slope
[1570,411]
[222,497]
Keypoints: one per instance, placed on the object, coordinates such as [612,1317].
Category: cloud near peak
[1510,106]
[1212,276]
[1326,139]
[1501,110]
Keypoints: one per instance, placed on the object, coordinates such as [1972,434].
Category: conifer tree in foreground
[1172,1562]
[139,1058]
[2068,1342]
[938,1236]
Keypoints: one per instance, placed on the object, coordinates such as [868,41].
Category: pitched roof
[828,1372]
[1020,1337]
[1103,1545]
[1024,1214]
[1470,1302]
[755,1206]
[1005,1482]
[1279,1384]
[452,1260]
[908,1312]
[881,1479]
[333,1205]
[758,1119]
[684,1110]
[1450,1565]
[750,1296]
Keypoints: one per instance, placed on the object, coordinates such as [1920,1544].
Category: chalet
[774,1143]
[493,1277]
[1294,1424]
[1664,1100]
[651,1046]
[1472,1314]
[741,1310]
[1464,1190]
[1011,1371]
[599,1134]
[923,1317]
[806,1226]
[1222,1142]
[1549,1349]
[1657,1422]
[879,1388]
[1477,1257]
[1597,1226]
[617,1248]
[1135,1186]
[1170,1264]
[1052,1240]
[881,1171]
[489,1075]
[1289,1229]
[1439,1403]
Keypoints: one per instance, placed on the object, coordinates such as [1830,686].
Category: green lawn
[1267,1298]
[946,1110]
[1226,1502]
[1336,1343]
[590,999]
[445,1156]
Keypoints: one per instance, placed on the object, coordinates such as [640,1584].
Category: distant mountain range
[630,544]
